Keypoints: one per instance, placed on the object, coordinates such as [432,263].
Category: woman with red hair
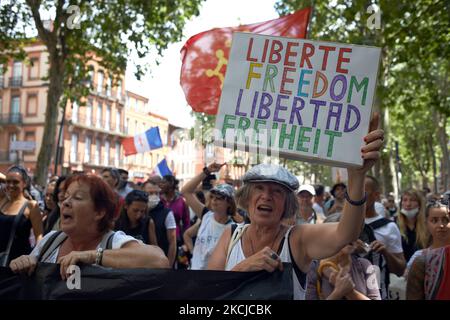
[86,236]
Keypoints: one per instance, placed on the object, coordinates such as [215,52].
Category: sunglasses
[217,196]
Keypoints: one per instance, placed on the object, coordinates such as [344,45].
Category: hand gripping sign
[303,99]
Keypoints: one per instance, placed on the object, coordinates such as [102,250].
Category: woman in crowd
[134,220]
[176,203]
[18,215]
[411,223]
[87,237]
[214,218]
[438,226]
[429,277]
[269,196]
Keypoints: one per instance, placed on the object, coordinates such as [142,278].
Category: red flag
[205,57]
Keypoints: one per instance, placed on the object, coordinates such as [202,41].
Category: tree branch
[44,34]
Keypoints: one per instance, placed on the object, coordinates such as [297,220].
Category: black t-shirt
[409,245]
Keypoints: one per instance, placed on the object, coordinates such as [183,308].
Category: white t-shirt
[237,255]
[208,235]
[379,208]
[170,221]
[389,235]
[118,241]
[319,210]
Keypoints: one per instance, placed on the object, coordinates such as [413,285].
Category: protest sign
[303,99]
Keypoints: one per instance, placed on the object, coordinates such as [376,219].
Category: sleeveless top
[208,235]
[21,244]
[298,277]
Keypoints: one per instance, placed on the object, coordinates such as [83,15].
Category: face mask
[153,201]
[410,213]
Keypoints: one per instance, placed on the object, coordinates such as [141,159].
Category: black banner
[97,283]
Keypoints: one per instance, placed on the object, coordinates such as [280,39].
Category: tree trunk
[443,141]
[55,91]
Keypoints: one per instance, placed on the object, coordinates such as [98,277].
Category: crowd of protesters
[271,219]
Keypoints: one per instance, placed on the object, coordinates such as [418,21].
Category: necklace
[271,246]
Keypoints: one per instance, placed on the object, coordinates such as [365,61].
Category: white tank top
[208,235]
[237,255]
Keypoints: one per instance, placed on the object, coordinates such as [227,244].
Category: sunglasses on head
[218,196]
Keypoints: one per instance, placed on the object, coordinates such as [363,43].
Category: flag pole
[308,34]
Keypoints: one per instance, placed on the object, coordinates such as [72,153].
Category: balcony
[8,156]
[15,82]
[101,125]
[11,118]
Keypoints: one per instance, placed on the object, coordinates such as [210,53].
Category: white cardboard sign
[303,99]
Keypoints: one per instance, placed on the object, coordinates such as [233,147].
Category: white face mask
[410,213]
[153,201]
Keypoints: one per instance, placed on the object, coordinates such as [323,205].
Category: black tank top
[21,244]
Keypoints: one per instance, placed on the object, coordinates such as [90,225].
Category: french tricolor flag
[162,169]
[149,140]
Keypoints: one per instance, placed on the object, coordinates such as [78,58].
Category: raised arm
[324,240]
[188,191]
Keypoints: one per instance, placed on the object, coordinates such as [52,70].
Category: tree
[413,77]
[82,30]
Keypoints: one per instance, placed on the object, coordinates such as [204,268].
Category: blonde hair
[422,236]
[290,204]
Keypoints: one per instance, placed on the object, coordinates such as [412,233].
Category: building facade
[92,131]
[139,119]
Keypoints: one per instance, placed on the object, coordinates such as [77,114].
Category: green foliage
[84,29]
[414,74]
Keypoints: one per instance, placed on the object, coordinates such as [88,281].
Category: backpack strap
[380,223]
[236,233]
[53,242]
[106,242]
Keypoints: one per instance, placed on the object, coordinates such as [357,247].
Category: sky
[162,86]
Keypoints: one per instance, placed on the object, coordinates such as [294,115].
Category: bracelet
[99,257]
[206,171]
[356,203]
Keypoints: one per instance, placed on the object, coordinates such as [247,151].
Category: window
[74,148]
[119,90]
[106,157]
[108,86]
[108,118]
[12,154]
[75,112]
[100,82]
[118,120]
[32,105]
[98,149]
[89,113]
[30,136]
[15,105]
[136,127]
[127,123]
[117,155]
[17,70]
[87,149]
[98,119]
[91,77]
[33,71]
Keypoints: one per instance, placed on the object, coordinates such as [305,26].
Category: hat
[271,173]
[339,184]
[307,187]
[224,189]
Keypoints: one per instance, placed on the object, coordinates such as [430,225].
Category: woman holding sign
[268,196]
